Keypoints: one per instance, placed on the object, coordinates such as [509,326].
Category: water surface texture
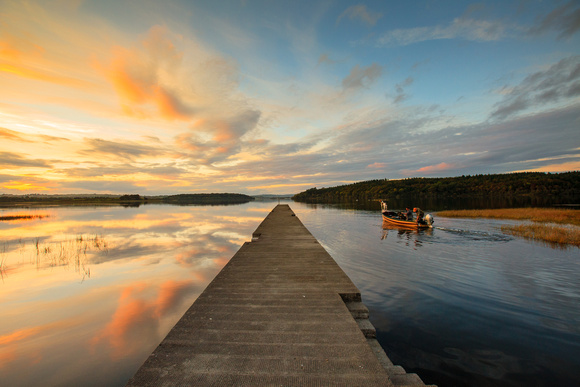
[462,304]
[87,293]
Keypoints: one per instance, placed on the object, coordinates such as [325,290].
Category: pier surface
[280,313]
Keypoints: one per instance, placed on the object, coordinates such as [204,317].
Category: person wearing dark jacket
[420,214]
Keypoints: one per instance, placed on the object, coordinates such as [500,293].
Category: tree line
[128,199]
[511,184]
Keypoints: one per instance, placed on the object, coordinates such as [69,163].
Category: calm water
[87,293]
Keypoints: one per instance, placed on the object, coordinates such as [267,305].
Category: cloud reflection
[139,313]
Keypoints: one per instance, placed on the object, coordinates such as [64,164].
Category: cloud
[143,77]
[12,135]
[119,149]
[10,160]
[361,77]
[430,169]
[324,58]
[101,185]
[377,165]
[8,134]
[170,170]
[459,28]
[361,13]
[225,132]
[560,82]
[399,88]
[564,19]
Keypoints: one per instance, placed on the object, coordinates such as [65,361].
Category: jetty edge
[281,312]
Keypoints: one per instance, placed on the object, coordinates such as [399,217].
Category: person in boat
[409,214]
[420,214]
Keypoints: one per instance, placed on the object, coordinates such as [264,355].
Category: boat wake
[478,235]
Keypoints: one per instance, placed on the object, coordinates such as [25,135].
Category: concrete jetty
[280,313]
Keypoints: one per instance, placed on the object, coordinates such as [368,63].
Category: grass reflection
[71,252]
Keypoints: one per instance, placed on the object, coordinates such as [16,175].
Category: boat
[398,219]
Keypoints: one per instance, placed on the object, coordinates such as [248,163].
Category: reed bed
[70,252]
[542,215]
[560,235]
[7,218]
[544,220]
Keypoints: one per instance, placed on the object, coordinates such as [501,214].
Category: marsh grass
[545,226]
[560,235]
[68,253]
[8,218]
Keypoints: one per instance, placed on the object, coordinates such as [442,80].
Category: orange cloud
[11,135]
[142,78]
[436,168]
[377,165]
[7,51]
[555,168]
[129,87]
[169,106]
[22,186]
[27,72]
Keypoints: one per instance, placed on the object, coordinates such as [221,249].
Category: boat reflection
[411,237]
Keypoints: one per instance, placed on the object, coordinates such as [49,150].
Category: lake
[87,293]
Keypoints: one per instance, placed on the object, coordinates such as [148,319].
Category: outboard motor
[429,219]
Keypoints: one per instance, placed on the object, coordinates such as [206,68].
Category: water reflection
[409,237]
[88,292]
[465,304]
[461,304]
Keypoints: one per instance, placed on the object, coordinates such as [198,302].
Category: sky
[256,97]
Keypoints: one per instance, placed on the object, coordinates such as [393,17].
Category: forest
[512,184]
[130,200]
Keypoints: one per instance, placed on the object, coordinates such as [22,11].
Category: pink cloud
[377,165]
[436,168]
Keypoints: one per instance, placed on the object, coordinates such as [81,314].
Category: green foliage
[512,184]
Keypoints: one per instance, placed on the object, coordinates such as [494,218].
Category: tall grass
[548,233]
[70,252]
[21,217]
[544,215]
[543,228]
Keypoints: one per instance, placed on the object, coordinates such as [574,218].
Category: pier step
[358,310]
[367,328]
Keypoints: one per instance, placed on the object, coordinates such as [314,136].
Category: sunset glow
[259,97]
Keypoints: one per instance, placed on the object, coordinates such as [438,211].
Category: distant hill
[212,198]
[129,199]
[511,184]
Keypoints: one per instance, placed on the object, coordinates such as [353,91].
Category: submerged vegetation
[513,184]
[543,228]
